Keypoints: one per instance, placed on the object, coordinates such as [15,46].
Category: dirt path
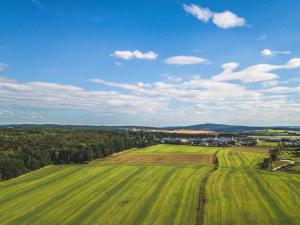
[288,162]
[202,196]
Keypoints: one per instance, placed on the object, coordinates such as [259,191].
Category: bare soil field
[162,158]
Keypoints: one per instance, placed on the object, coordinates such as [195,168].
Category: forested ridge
[24,150]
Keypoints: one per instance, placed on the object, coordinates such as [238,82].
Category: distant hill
[229,128]
[58,126]
[198,127]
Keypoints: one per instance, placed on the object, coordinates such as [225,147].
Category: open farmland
[163,158]
[180,149]
[142,186]
[103,193]
[239,193]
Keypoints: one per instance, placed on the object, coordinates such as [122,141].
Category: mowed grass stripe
[165,203]
[115,202]
[282,197]
[38,184]
[150,185]
[30,204]
[216,201]
[152,197]
[100,191]
[238,193]
[129,205]
[190,198]
[163,148]
[53,207]
[28,177]
[239,160]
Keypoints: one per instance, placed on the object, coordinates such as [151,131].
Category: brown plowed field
[162,158]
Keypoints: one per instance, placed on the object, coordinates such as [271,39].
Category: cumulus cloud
[282,90]
[227,19]
[185,60]
[52,95]
[170,99]
[195,90]
[256,73]
[203,14]
[269,53]
[224,20]
[135,54]
[218,99]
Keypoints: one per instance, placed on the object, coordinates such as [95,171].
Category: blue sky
[150,62]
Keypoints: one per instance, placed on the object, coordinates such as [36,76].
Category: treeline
[23,150]
[274,155]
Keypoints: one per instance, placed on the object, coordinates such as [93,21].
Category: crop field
[116,191]
[267,144]
[181,149]
[239,193]
[241,160]
[104,193]
[162,158]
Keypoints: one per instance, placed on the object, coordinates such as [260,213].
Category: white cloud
[171,99]
[224,20]
[257,73]
[195,90]
[227,19]
[185,60]
[266,52]
[292,64]
[51,95]
[203,14]
[134,54]
[283,90]
[269,53]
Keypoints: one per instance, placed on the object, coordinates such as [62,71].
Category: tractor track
[202,194]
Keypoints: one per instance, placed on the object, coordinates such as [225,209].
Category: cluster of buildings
[211,141]
[287,141]
[227,141]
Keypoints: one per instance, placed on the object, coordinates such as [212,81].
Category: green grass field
[267,144]
[162,148]
[239,193]
[105,194]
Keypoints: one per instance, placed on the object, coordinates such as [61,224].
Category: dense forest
[23,150]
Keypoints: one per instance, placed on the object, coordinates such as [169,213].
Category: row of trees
[23,150]
[275,153]
[267,163]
